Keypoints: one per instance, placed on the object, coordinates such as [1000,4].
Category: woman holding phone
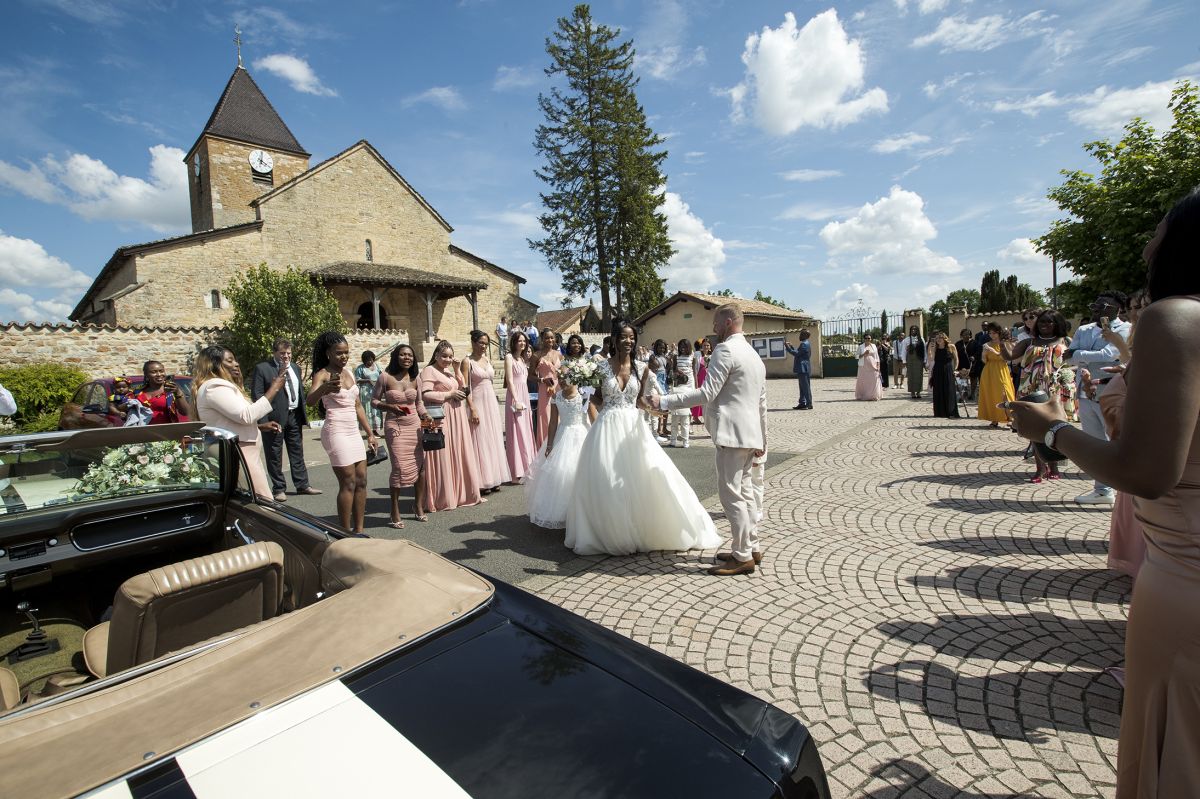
[518,428]
[398,394]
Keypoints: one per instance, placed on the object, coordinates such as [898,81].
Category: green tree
[938,315]
[603,227]
[758,295]
[268,304]
[724,293]
[1009,294]
[1112,216]
[40,390]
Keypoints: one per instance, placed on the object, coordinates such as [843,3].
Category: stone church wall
[226,184]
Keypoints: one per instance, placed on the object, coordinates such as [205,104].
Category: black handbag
[433,438]
[377,455]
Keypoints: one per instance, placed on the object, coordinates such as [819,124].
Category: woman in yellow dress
[995,385]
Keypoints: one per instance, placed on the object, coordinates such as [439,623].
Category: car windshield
[57,469]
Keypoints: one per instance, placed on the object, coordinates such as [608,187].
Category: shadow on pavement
[1029,505]
[1020,545]
[904,776]
[1010,584]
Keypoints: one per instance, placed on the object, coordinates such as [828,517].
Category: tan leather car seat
[177,606]
[10,690]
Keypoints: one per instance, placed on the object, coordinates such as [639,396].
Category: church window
[370,255]
[214,299]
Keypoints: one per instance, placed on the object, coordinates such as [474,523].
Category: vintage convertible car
[169,635]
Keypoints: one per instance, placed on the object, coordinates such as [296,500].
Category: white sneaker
[686,444]
[759,517]
[660,439]
[1096,498]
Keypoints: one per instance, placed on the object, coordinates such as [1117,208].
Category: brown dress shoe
[310,490]
[737,567]
[727,557]
[281,497]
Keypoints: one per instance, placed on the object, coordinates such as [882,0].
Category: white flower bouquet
[144,467]
[580,372]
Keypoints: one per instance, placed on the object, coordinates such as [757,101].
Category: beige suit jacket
[734,396]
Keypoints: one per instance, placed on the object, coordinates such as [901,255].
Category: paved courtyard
[941,625]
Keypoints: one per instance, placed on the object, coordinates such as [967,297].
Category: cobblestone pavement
[941,625]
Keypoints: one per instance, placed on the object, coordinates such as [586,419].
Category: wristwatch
[1052,433]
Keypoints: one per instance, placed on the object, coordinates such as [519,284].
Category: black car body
[411,664]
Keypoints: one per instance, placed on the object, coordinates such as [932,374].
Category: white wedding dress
[548,488]
[628,495]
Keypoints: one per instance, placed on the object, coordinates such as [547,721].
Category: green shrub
[40,390]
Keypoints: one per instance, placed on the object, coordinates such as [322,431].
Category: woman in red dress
[162,396]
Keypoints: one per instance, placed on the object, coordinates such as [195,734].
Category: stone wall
[104,351]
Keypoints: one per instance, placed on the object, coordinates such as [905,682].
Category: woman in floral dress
[1043,368]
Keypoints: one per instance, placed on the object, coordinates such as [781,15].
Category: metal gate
[841,335]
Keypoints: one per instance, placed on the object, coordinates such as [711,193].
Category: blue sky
[888,150]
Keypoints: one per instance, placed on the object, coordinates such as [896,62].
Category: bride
[629,497]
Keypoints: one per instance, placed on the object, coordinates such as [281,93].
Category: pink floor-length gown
[518,431]
[339,434]
[489,433]
[451,473]
[547,368]
[701,373]
[868,386]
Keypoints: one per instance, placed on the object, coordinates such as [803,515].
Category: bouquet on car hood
[139,467]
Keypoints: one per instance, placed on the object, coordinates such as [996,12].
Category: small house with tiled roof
[352,222]
[565,321]
[769,328]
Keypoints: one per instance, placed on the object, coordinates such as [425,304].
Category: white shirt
[293,390]
[8,406]
[502,330]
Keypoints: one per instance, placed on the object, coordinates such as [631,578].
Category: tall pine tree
[603,227]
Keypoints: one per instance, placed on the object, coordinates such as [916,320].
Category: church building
[352,222]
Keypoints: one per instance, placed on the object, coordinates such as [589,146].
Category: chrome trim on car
[150,537]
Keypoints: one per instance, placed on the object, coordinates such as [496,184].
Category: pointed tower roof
[245,114]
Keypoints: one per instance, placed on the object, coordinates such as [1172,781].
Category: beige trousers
[735,487]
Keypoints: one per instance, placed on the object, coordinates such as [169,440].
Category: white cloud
[1108,110]
[814,212]
[699,254]
[957,33]
[889,236]
[661,52]
[508,78]
[523,220]
[25,263]
[933,90]
[734,244]
[810,175]
[1021,251]
[296,72]
[852,296]
[1125,56]
[894,144]
[1104,110]
[924,6]
[695,156]
[94,191]
[445,97]
[812,76]
[1030,106]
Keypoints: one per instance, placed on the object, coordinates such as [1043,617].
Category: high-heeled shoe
[1038,477]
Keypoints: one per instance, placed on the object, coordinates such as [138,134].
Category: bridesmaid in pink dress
[483,409]
[451,473]
[546,362]
[518,430]
[703,352]
[398,392]
[336,389]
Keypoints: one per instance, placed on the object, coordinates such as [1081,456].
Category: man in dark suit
[981,338]
[285,421]
[802,369]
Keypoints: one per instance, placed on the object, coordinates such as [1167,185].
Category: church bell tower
[244,151]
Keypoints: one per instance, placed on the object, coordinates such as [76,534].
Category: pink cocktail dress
[451,473]
[402,431]
[339,434]
[518,430]
[489,433]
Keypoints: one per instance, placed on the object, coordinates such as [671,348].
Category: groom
[734,396]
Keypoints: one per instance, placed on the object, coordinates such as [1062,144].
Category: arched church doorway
[366,317]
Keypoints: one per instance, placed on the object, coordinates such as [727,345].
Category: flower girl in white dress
[552,475]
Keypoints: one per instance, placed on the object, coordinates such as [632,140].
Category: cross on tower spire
[237,39]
